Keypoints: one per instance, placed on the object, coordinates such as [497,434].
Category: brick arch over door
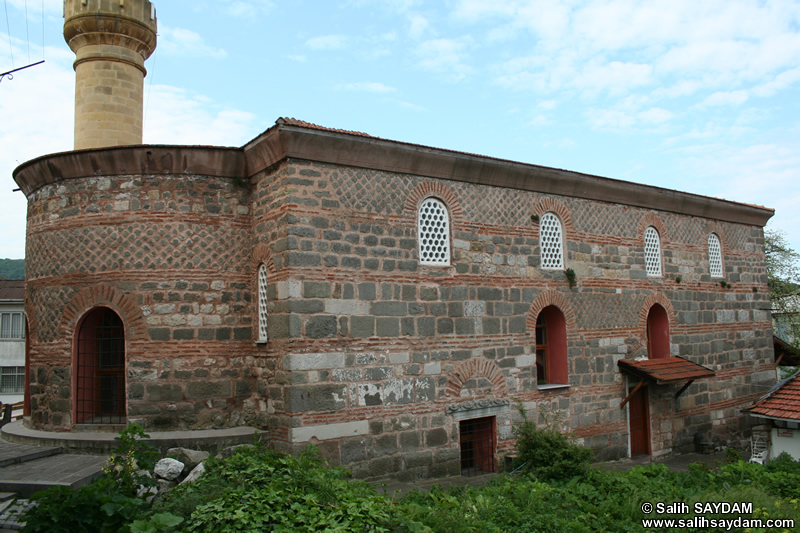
[479,367]
[103,296]
[644,311]
[546,299]
[428,189]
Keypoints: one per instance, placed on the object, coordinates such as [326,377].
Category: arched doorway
[657,333]
[551,347]
[100,369]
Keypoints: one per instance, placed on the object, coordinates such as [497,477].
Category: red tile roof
[303,124]
[12,289]
[665,370]
[781,402]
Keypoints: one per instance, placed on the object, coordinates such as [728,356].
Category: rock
[198,471]
[190,458]
[230,450]
[168,469]
[164,486]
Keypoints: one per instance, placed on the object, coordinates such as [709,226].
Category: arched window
[433,233]
[100,361]
[262,303]
[714,256]
[657,333]
[652,252]
[551,347]
[551,242]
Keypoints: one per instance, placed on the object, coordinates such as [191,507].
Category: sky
[697,96]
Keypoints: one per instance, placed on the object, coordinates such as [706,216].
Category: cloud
[655,115]
[180,41]
[37,109]
[367,86]
[251,9]
[725,98]
[418,25]
[327,42]
[445,56]
[610,119]
[177,116]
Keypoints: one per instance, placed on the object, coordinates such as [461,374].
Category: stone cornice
[284,141]
[130,160]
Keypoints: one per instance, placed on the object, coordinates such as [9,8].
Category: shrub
[261,490]
[97,507]
[548,454]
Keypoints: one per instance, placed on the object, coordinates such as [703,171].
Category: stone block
[316,398]
[319,327]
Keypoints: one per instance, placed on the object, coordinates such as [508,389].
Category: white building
[12,341]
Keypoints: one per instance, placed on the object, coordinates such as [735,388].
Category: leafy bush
[258,489]
[93,508]
[548,454]
[108,504]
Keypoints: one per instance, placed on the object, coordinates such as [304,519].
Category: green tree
[783,279]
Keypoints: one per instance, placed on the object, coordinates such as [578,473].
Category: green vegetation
[12,269]
[260,490]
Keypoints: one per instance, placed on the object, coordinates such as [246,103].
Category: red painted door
[640,423]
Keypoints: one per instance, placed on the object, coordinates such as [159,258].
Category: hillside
[12,269]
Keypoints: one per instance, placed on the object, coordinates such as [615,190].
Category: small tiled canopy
[664,371]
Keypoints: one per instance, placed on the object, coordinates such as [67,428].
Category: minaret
[111,40]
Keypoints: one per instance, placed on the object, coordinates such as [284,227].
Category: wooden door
[639,416]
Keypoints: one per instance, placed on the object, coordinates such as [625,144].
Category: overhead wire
[27,32]
[8,33]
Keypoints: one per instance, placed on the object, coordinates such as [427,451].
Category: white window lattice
[714,256]
[652,252]
[433,231]
[11,326]
[262,303]
[551,241]
[12,380]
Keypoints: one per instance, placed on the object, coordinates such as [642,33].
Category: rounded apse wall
[161,236]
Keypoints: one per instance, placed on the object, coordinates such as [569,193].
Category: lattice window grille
[11,326]
[262,303]
[551,241]
[714,256]
[433,231]
[12,380]
[652,252]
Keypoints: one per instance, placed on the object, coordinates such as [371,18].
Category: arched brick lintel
[655,298]
[103,296]
[551,205]
[557,299]
[477,366]
[428,189]
[262,255]
[648,220]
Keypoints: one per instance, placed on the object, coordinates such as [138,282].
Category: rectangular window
[12,379]
[11,326]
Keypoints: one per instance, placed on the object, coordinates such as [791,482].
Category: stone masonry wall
[169,256]
[372,347]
